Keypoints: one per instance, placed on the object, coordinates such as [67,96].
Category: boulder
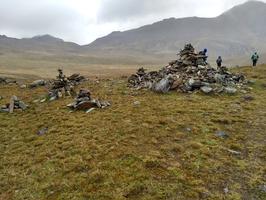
[37,83]
[176,84]
[219,78]
[195,84]
[163,86]
[230,90]
[206,89]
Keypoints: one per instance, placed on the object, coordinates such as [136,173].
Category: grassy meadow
[166,147]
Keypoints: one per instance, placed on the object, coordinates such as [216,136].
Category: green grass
[165,148]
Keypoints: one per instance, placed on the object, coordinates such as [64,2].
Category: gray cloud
[31,17]
[117,10]
[126,10]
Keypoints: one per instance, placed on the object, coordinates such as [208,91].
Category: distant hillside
[235,33]
[39,44]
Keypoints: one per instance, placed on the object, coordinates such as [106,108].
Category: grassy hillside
[164,148]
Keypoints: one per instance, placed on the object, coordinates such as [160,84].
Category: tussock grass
[164,148]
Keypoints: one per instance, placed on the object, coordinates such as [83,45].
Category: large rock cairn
[190,72]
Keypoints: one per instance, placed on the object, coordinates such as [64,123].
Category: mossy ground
[164,148]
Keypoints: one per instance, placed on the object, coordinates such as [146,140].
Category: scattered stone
[226,190]
[243,91]
[14,104]
[90,110]
[36,101]
[251,82]
[84,102]
[233,152]
[249,88]
[42,131]
[188,129]
[248,98]
[42,101]
[136,103]
[230,90]
[37,83]
[23,86]
[222,134]
[190,72]
[22,105]
[206,89]
[76,79]
[4,80]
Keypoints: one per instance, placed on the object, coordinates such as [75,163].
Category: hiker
[255,58]
[219,61]
[204,53]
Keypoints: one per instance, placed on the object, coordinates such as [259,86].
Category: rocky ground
[145,146]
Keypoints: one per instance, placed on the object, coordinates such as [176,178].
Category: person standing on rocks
[219,61]
[255,58]
[204,53]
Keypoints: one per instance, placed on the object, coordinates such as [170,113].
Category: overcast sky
[82,21]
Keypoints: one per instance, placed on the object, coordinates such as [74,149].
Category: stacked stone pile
[188,73]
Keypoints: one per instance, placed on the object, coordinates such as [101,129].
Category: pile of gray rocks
[4,81]
[84,102]
[37,83]
[60,86]
[14,104]
[190,72]
[76,79]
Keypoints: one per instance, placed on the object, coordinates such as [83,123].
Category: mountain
[43,44]
[237,32]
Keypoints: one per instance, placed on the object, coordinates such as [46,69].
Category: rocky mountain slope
[236,32]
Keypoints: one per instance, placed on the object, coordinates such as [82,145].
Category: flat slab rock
[86,105]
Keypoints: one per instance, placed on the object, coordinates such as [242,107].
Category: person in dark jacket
[255,58]
[204,53]
[219,61]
